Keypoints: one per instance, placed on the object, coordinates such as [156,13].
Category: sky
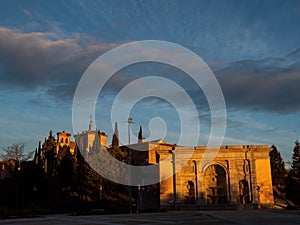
[252,47]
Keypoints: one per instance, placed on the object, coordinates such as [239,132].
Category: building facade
[205,176]
[89,140]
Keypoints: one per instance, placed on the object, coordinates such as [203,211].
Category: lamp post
[129,122]
[139,199]
[129,162]
[34,199]
[100,194]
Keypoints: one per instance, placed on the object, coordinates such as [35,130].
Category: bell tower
[91,123]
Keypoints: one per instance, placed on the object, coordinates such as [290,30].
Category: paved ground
[246,217]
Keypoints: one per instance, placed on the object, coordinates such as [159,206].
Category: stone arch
[215,184]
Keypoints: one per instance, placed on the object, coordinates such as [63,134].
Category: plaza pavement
[243,217]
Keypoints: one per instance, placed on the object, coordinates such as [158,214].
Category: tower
[91,123]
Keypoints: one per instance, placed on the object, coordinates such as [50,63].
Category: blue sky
[253,48]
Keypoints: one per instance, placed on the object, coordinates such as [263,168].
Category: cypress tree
[115,149]
[293,180]
[140,136]
[277,168]
[49,155]
[115,139]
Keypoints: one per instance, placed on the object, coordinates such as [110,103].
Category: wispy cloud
[269,84]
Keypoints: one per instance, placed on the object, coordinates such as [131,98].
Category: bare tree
[15,153]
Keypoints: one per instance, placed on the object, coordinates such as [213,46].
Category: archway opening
[244,191]
[190,193]
[215,185]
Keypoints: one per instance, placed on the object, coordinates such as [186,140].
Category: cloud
[32,60]
[270,84]
[275,129]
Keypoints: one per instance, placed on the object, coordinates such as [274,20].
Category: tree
[277,168]
[38,155]
[293,179]
[140,135]
[49,155]
[115,149]
[115,139]
[64,167]
[16,155]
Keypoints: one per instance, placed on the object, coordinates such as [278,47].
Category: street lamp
[34,199]
[129,122]
[129,162]
[100,190]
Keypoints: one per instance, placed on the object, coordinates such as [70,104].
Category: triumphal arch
[226,176]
